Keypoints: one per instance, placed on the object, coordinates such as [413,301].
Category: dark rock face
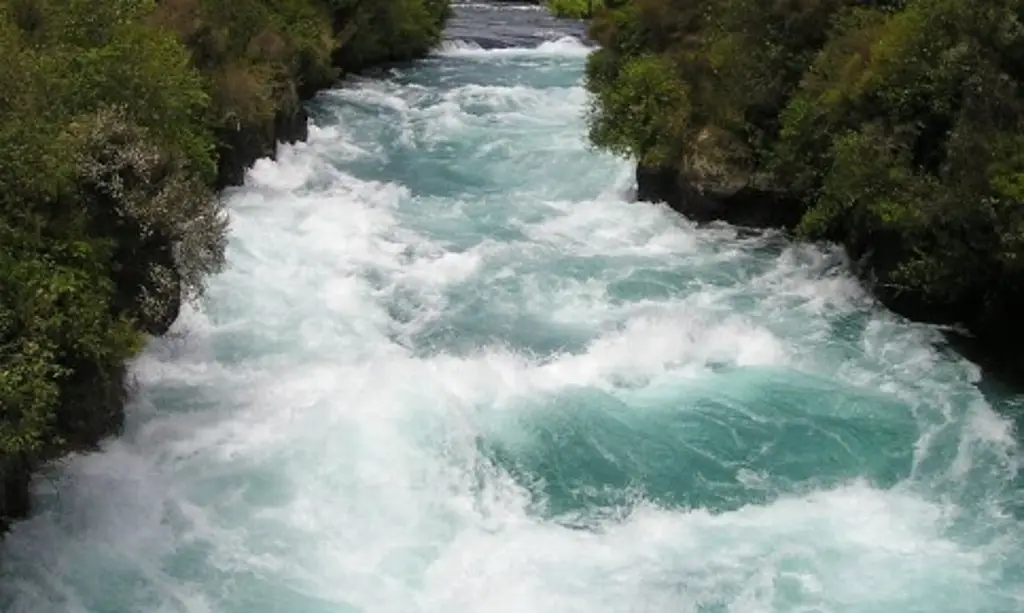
[15,477]
[874,255]
[987,330]
[746,206]
[105,394]
[131,279]
[238,149]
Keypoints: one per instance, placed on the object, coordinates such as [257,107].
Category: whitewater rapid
[453,367]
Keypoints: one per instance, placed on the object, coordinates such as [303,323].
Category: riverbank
[843,124]
[574,9]
[120,122]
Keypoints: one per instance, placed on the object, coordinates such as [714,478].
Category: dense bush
[118,121]
[895,126]
[574,8]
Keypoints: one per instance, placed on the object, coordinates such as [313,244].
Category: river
[452,367]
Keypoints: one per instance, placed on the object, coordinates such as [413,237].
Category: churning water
[453,368]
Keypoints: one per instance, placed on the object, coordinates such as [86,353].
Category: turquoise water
[453,368]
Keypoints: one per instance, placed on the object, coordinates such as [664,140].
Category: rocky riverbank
[893,129]
[119,122]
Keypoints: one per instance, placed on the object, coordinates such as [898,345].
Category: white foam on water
[565,46]
[490,6]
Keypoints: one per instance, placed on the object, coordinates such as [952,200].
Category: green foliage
[112,116]
[54,320]
[390,31]
[576,9]
[65,323]
[645,115]
[253,54]
[896,122]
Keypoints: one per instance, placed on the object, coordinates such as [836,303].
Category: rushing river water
[453,368]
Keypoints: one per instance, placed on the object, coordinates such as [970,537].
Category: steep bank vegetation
[895,127]
[119,119]
[577,9]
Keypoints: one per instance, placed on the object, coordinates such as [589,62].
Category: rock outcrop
[743,204]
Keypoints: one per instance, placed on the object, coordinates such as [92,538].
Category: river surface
[452,367]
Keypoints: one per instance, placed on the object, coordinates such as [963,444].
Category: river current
[452,367]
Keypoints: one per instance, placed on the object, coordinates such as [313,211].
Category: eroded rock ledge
[985,330]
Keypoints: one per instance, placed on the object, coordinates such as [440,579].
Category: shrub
[577,9]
